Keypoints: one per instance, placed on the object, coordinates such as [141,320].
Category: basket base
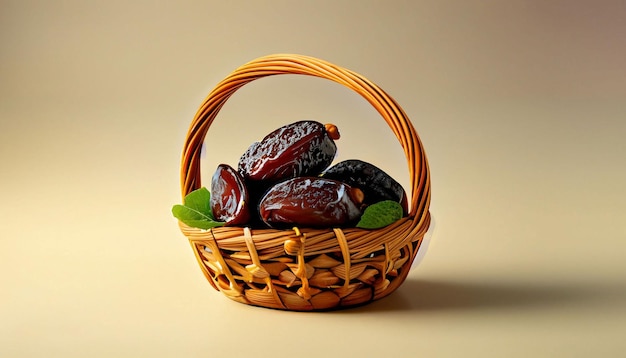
[275,293]
[299,274]
[322,302]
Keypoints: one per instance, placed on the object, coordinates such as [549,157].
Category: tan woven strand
[345,251]
[308,269]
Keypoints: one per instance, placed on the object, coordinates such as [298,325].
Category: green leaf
[380,215]
[199,200]
[197,210]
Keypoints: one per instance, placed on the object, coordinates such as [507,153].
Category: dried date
[373,181]
[311,202]
[301,148]
[229,196]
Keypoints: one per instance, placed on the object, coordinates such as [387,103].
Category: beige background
[520,105]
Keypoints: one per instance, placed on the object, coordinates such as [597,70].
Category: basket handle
[278,64]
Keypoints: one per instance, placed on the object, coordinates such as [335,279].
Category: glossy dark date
[311,202]
[373,181]
[298,149]
[229,196]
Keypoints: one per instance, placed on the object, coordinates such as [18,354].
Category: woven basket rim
[260,235]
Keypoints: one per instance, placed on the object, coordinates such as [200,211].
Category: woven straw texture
[308,269]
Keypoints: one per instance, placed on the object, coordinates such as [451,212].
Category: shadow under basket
[305,269]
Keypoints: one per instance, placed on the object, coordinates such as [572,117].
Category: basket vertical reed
[308,269]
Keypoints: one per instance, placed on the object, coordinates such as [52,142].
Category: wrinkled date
[312,202]
[373,181]
[297,149]
[229,196]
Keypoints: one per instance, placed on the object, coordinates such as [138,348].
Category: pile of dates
[286,180]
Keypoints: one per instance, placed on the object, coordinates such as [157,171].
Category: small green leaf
[380,215]
[197,210]
[199,200]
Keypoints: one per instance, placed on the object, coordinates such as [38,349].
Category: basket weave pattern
[308,269]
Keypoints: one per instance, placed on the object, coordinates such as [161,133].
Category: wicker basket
[308,269]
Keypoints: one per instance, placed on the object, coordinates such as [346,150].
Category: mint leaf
[199,200]
[196,211]
[380,215]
